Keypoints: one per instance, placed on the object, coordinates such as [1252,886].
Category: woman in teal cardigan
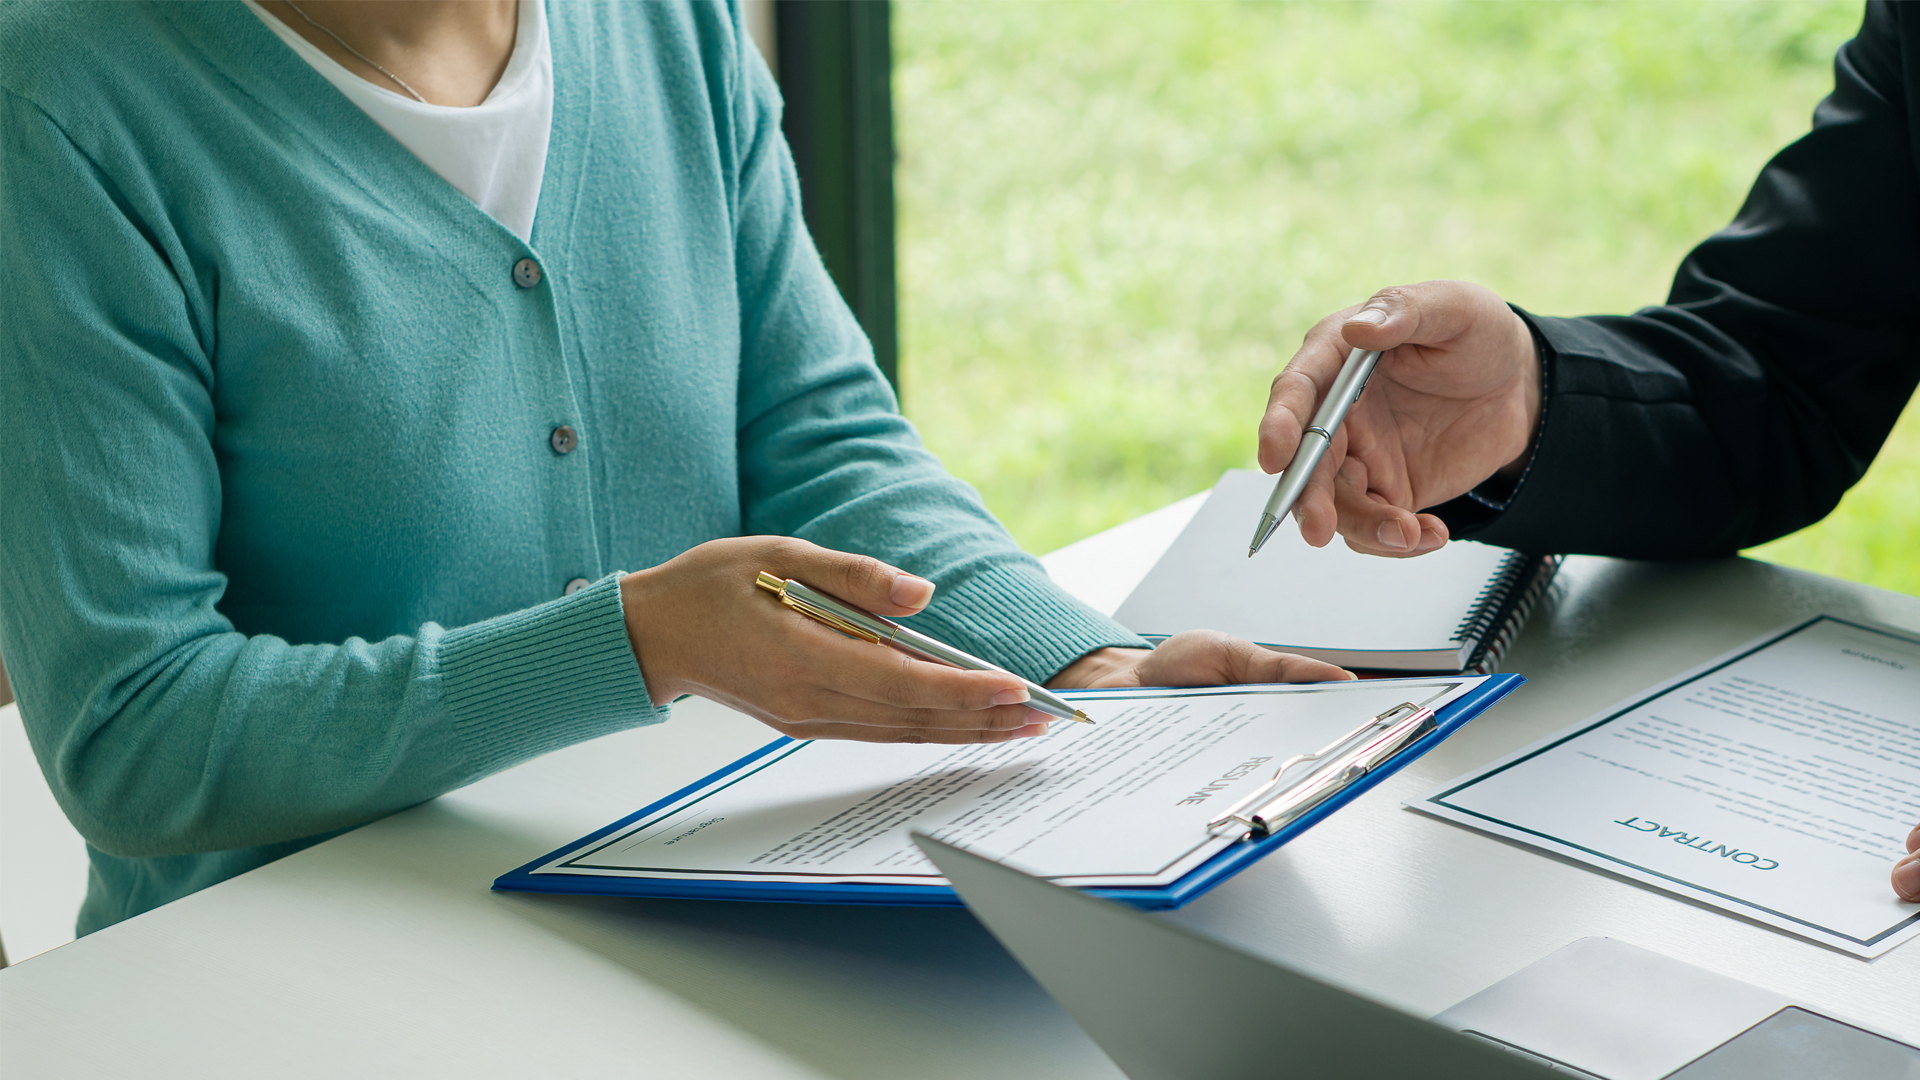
[317,482]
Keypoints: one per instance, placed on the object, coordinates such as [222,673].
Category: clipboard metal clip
[1342,761]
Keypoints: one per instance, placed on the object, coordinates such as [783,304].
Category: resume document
[1778,783]
[1125,801]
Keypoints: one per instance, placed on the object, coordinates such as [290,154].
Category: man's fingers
[1290,405]
[1373,525]
[1387,319]
[1316,509]
[1369,522]
[1395,533]
[1297,391]
[1428,532]
[1319,521]
[1341,500]
[1430,313]
[1433,534]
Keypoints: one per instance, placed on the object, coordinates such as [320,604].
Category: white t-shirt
[494,152]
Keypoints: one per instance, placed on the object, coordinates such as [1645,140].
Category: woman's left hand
[1194,658]
[1906,872]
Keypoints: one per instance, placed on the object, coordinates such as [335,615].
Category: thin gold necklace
[402,83]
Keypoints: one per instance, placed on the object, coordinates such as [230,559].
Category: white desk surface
[383,952]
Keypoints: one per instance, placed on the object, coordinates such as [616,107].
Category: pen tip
[1268,523]
[1082,717]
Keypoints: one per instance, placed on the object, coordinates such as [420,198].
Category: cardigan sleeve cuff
[522,684]
[1014,615]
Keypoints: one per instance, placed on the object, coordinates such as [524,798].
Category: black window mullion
[836,72]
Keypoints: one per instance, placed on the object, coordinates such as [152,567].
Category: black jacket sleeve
[1744,407]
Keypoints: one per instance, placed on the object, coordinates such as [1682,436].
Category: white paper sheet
[1778,782]
[1125,801]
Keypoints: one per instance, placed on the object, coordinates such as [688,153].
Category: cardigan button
[526,273]
[576,585]
[563,439]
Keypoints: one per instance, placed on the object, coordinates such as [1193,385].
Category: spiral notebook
[1455,610]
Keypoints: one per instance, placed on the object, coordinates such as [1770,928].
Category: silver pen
[1314,442]
[867,626]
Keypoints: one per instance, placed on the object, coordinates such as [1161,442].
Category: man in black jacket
[1737,412]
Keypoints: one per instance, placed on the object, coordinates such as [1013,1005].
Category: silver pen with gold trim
[867,626]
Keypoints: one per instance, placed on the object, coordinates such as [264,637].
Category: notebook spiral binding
[1492,600]
[1502,608]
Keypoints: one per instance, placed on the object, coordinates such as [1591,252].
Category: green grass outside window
[1117,219]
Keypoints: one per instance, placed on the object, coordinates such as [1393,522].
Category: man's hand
[1906,872]
[700,626]
[1194,658]
[1455,399]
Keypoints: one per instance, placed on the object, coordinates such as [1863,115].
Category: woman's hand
[699,625]
[1906,872]
[1456,399]
[1195,658]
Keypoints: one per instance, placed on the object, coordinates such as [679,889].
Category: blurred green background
[1118,219]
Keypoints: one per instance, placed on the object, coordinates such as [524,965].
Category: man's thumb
[1387,319]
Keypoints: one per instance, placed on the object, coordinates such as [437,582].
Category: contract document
[1778,783]
[1125,801]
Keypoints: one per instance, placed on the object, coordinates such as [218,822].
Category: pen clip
[778,586]
[1347,759]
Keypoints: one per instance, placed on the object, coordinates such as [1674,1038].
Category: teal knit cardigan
[284,540]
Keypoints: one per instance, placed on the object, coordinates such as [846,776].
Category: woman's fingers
[864,582]
[869,733]
[699,625]
[1268,666]
[819,683]
[1906,877]
[845,705]
[1906,872]
[1211,658]
[825,659]
[831,706]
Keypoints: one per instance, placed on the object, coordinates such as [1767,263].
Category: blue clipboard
[1156,898]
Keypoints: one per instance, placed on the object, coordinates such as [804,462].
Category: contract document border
[1227,863]
[1683,886]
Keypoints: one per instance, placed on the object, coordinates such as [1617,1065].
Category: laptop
[1166,1003]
